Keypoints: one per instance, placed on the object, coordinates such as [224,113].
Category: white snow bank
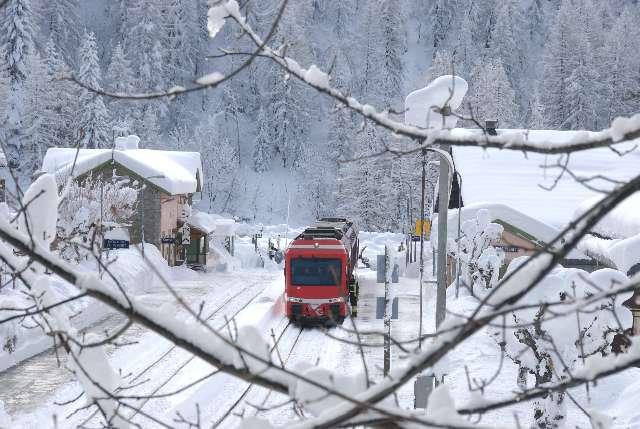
[175,172]
[127,265]
[515,179]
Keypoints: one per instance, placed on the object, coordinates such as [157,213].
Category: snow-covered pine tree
[39,105]
[443,17]
[491,95]
[582,95]
[180,39]
[506,41]
[95,128]
[220,162]
[289,116]
[18,26]
[391,73]
[120,78]
[61,99]
[619,66]
[442,64]
[119,71]
[63,17]
[364,188]
[559,60]
[264,150]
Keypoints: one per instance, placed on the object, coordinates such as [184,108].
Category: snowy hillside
[267,140]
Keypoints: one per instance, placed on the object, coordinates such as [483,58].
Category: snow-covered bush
[479,261]
[548,345]
[90,208]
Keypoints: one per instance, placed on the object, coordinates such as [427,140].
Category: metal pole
[101,230]
[387,315]
[443,208]
[142,219]
[424,152]
[458,265]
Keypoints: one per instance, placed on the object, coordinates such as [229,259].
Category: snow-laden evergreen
[94,120]
[565,64]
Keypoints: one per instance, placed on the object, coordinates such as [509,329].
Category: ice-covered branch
[209,81]
[621,130]
[595,368]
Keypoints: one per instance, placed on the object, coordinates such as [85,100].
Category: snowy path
[40,380]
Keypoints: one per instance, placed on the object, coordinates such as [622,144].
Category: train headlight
[294,299]
[338,299]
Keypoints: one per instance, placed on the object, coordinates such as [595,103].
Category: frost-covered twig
[621,130]
[209,81]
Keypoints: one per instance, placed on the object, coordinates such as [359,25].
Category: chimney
[491,125]
[127,143]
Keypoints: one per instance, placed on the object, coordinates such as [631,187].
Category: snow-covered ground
[129,268]
[252,296]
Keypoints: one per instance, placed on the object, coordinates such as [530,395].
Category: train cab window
[316,272]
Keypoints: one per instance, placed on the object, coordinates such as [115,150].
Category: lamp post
[431,107]
[458,264]
[444,189]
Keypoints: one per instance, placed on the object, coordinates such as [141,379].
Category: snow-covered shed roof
[516,179]
[173,171]
[212,223]
[621,222]
[540,231]
[618,240]
[205,222]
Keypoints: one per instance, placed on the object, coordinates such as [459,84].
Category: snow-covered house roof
[535,230]
[175,172]
[516,179]
[3,160]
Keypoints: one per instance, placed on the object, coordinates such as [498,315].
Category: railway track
[164,356]
[246,391]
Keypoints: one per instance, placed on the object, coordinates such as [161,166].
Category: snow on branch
[621,130]
[212,80]
[197,337]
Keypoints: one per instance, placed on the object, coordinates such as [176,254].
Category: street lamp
[444,189]
[431,108]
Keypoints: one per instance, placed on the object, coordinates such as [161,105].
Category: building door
[193,251]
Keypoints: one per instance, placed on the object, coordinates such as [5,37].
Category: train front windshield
[315,272]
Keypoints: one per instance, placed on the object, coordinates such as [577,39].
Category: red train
[319,271]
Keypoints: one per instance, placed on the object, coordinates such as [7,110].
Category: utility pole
[424,174]
[387,314]
[101,228]
[443,209]
[142,219]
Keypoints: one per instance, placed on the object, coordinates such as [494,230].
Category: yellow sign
[419,227]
